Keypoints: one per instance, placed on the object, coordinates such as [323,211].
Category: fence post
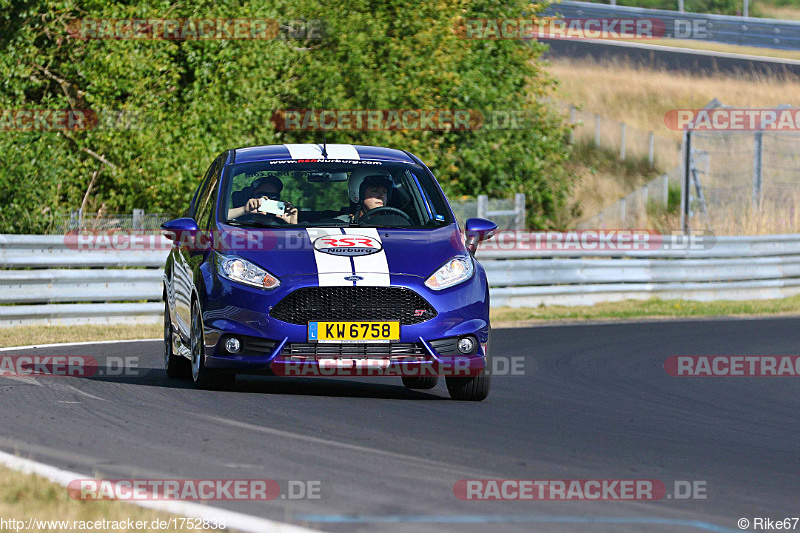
[519,207]
[138,219]
[572,123]
[597,130]
[483,206]
[650,147]
[622,136]
[644,201]
[665,177]
[757,153]
[687,170]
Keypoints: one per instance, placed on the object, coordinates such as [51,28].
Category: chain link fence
[742,182]
[137,220]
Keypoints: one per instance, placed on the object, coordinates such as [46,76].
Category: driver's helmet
[359,181]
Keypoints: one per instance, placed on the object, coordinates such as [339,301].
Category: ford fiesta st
[325,260]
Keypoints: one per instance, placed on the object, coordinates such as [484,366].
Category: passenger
[266,187]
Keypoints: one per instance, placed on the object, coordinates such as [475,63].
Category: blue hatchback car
[325,260]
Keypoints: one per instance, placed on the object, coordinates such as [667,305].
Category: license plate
[353,331]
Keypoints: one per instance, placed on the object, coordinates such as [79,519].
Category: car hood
[289,252]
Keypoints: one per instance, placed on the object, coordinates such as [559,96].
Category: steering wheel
[385,210]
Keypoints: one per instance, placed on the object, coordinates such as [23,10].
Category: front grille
[353,303]
[354,349]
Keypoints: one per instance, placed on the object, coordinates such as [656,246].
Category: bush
[201,97]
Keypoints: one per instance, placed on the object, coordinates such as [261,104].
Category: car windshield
[332,193]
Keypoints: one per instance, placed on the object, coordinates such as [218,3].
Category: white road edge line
[233,520]
[57,344]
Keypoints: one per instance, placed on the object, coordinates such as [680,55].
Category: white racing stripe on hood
[314,151]
[331,269]
[374,268]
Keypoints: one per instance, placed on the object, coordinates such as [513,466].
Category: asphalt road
[669,58]
[594,403]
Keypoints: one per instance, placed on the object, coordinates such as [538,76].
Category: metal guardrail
[37,285]
[746,31]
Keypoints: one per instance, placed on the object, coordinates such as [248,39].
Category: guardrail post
[483,206]
[650,147]
[597,130]
[622,136]
[519,207]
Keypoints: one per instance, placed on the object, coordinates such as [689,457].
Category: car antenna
[324,142]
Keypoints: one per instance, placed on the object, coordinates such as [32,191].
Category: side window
[201,191]
[207,198]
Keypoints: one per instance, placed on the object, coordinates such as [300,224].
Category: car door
[204,216]
[183,279]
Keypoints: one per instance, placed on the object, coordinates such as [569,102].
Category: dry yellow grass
[26,335]
[641,97]
[779,12]
[24,496]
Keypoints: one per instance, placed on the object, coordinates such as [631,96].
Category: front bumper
[271,345]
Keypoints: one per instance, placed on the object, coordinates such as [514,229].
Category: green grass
[653,308]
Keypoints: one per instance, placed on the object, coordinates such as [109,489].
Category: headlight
[241,271]
[451,273]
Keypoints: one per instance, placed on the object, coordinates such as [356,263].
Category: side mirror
[180,229]
[477,230]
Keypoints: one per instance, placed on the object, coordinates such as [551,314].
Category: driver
[373,192]
[266,187]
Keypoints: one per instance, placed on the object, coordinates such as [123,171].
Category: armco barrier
[42,280]
[767,33]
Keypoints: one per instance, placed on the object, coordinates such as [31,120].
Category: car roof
[314,151]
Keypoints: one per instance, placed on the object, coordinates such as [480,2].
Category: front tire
[175,365]
[471,389]
[203,377]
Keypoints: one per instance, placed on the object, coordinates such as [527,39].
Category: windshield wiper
[252,224]
[381,226]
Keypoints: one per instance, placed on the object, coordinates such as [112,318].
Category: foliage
[192,99]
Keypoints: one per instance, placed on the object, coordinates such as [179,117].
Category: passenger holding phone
[266,188]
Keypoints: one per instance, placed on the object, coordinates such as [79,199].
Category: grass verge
[653,308]
[25,496]
[641,97]
[25,335]
[602,179]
